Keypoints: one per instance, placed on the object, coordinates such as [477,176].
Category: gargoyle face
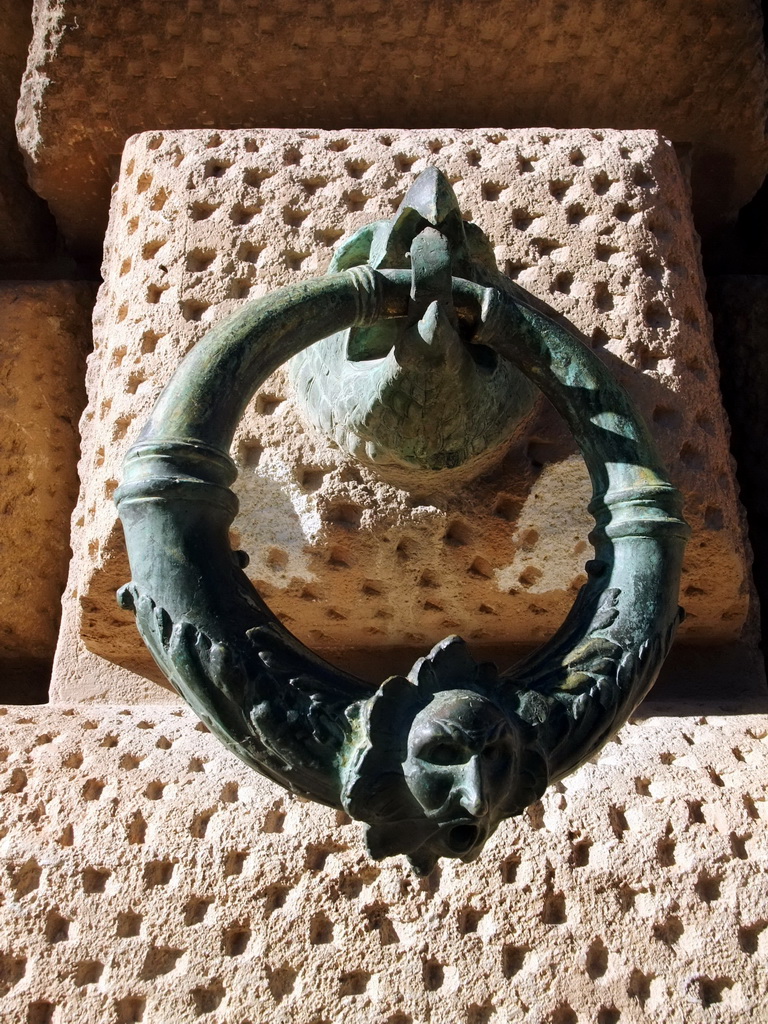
[435,761]
[461,766]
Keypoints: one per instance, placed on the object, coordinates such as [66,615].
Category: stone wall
[150,876]
[97,73]
[146,874]
[26,229]
[44,336]
[740,308]
[595,223]
[44,333]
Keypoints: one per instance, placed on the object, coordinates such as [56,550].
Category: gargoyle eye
[443,753]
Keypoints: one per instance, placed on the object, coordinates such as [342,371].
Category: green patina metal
[410,395]
[434,760]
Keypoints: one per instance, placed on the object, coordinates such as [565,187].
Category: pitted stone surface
[99,72]
[26,227]
[594,223]
[149,876]
[740,312]
[44,336]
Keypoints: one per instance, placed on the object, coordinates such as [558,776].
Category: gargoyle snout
[473,789]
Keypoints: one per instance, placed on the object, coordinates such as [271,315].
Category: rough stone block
[596,223]
[44,336]
[26,227]
[98,72]
[740,311]
[150,876]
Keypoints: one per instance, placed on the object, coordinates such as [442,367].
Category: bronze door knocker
[434,760]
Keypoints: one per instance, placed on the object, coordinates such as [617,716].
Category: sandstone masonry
[44,336]
[98,72]
[593,222]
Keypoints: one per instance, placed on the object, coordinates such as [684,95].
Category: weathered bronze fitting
[410,396]
[434,760]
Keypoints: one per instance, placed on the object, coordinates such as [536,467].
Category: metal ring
[323,733]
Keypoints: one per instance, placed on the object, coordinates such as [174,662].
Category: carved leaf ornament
[434,760]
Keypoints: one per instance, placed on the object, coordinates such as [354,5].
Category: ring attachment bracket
[417,400]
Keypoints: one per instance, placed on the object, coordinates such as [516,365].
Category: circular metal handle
[432,761]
